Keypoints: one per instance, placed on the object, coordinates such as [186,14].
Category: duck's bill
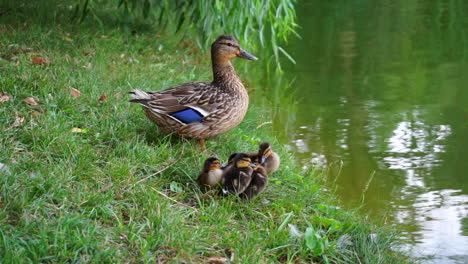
[244,54]
[262,159]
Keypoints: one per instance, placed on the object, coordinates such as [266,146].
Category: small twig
[175,201]
[182,153]
[368,182]
[339,172]
[264,123]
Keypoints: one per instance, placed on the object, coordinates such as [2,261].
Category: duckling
[230,160]
[236,177]
[257,184]
[210,177]
[266,157]
[202,109]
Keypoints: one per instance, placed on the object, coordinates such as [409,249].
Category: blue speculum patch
[188,116]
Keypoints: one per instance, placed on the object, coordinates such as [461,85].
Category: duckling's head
[226,47]
[211,163]
[264,151]
[242,160]
[230,160]
[260,169]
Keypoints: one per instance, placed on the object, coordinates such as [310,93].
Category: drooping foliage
[257,24]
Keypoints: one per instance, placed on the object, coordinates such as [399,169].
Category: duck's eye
[229,44]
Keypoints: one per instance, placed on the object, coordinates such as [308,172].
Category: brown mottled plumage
[219,105]
[236,177]
[257,184]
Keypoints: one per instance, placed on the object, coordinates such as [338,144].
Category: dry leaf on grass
[4,97]
[217,260]
[18,121]
[4,168]
[35,113]
[30,101]
[39,61]
[74,92]
[78,130]
[103,98]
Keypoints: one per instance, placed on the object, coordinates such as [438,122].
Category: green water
[381,92]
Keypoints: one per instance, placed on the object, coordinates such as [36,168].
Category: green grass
[80,197]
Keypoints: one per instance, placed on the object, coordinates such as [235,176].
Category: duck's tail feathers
[139,96]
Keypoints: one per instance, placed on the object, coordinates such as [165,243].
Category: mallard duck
[202,109]
[211,174]
[266,157]
[257,184]
[236,177]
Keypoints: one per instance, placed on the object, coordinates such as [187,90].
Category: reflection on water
[383,107]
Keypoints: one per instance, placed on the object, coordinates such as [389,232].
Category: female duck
[202,109]
[210,177]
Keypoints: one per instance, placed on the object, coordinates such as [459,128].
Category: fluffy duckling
[257,184]
[266,157]
[236,177]
[210,177]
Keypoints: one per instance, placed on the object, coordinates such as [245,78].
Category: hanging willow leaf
[249,21]
[84,10]
[286,54]
[146,8]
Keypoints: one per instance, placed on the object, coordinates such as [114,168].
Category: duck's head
[260,169]
[230,160]
[264,151]
[212,163]
[226,47]
[242,160]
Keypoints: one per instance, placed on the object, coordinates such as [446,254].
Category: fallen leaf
[4,168]
[35,113]
[78,130]
[39,61]
[30,101]
[67,38]
[294,231]
[75,93]
[217,260]
[103,98]
[18,121]
[106,187]
[4,97]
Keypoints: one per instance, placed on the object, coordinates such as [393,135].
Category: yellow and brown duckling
[237,177]
[210,177]
[202,109]
[257,184]
[266,157]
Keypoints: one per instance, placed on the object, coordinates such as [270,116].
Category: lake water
[380,101]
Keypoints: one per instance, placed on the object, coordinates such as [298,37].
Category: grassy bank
[89,179]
